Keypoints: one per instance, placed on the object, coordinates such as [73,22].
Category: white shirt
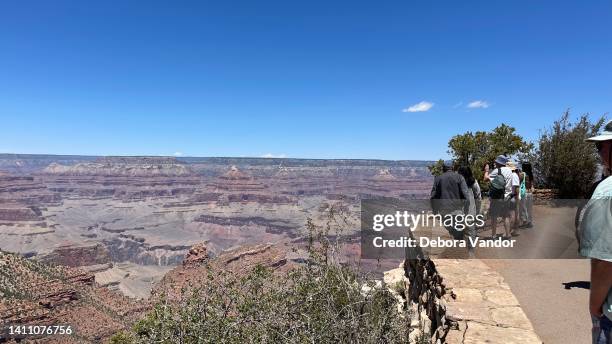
[516,181]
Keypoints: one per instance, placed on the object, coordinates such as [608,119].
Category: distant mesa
[122,166]
[138,160]
[384,175]
[236,180]
[235,174]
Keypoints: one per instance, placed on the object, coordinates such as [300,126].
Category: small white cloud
[419,107]
[457,105]
[478,104]
[178,154]
[270,155]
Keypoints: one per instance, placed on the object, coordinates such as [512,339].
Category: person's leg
[523,210]
[515,209]
[606,329]
[602,330]
[529,201]
[493,216]
[507,224]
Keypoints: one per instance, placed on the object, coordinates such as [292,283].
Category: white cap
[606,134]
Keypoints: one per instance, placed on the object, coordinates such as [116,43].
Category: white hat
[606,134]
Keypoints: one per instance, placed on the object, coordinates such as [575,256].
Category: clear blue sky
[310,79]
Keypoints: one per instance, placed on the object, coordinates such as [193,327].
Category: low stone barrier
[460,301]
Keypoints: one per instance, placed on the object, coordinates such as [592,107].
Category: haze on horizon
[301,80]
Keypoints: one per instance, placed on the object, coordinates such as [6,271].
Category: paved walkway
[559,315]
[482,304]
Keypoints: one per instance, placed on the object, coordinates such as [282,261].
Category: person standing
[595,234]
[500,192]
[474,199]
[526,194]
[515,195]
[449,195]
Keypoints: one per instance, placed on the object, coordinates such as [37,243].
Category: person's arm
[516,185]
[477,196]
[486,177]
[434,189]
[477,191]
[465,194]
[601,282]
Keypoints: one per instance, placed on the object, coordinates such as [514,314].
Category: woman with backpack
[500,192]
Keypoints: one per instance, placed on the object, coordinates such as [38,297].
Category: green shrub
[321,301]
[564,160]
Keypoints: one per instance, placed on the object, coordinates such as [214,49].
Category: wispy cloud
[270,155]
[478,104]
[178,154]
[457,105]
[419,107]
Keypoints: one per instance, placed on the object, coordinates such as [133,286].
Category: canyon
[130,220]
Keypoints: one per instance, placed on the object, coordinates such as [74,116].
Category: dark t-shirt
[450,187]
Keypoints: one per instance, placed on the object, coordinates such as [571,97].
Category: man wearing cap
[595,233]
[500,207]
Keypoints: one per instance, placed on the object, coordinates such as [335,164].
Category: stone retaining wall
[460,301]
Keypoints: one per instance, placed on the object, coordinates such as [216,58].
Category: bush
[321,301]
[564,160]
[480,148]
[436,168]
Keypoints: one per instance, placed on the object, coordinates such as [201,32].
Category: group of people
[510,191]
[511,194]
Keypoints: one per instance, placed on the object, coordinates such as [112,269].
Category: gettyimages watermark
[393,229]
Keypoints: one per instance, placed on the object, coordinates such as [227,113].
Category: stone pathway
[482,305]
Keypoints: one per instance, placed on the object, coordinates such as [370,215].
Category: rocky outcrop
[271,225]
[78,255]
[237,181]
[125,248]
[34,293]
[197,265]
[198,254]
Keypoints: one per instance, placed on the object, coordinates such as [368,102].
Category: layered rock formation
[118,216]
[75,256]
[198,264]
[126,178]
[122,166]
[22,197]
[34,293]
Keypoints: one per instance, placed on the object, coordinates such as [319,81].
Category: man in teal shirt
[596,243]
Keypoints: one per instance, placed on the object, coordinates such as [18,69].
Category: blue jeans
[602,330]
